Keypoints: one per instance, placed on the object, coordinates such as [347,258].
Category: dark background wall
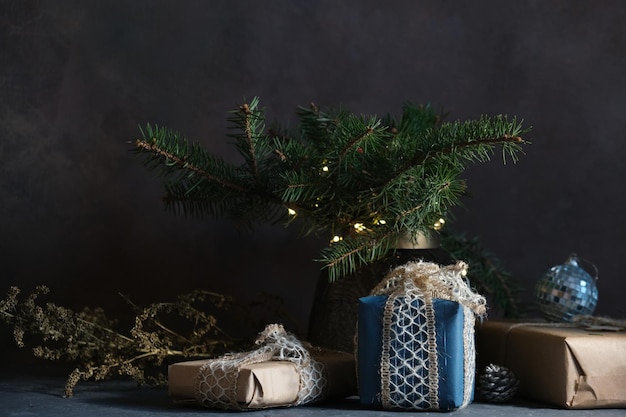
[80,214]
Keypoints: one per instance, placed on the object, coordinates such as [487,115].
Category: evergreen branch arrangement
[90,339]
[361,181]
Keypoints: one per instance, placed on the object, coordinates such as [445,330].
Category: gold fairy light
[336,239]
[439,224]
[359,227]
[291,212]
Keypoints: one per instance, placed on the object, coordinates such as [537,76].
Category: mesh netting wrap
[217,379]
[409,356]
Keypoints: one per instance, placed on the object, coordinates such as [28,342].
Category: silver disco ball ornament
[566,291]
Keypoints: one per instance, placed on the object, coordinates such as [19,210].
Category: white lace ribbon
[217,379]
[409,357]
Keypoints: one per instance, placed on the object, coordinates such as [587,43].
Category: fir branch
[408,212]
[245,108]
[344,257]
[356,141]
[198,183]
[182,162]
[249,119]
[476,143]
[339,169]
[420,159]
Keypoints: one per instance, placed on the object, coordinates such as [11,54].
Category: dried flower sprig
[90,339]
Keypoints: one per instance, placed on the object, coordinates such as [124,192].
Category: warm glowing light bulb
[439,224]
[291,212]
[325,168]
[382,221]
[336,239]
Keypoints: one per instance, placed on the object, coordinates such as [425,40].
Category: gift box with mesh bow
[415,346]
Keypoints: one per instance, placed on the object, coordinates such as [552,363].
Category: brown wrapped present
[259,385]
[561,365]
[282,372]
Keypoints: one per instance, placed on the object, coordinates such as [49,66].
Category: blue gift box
[449,319]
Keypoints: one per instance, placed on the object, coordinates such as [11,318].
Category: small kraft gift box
[415,348]
[282,372]
[567,365]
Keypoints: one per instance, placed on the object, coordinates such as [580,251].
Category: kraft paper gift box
[451,356]
[564,366]
[281,372]
[259,385]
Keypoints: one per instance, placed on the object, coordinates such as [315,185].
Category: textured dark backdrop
[79,213]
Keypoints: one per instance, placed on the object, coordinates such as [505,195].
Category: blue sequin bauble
[566,291]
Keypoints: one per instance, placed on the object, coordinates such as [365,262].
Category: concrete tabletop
[23,395]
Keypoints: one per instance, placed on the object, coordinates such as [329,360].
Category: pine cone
[498,384]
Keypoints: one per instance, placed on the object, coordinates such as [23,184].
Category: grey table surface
[23,395]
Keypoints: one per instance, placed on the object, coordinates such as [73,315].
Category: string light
[291,212]
[439,224]
[325,168]
[336,239]
[359,227]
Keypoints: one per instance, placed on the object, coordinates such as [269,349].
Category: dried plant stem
[89,339]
